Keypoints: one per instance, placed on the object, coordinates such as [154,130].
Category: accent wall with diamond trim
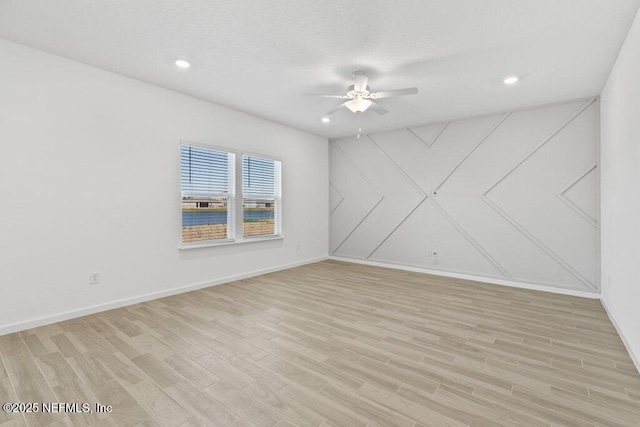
[511,196]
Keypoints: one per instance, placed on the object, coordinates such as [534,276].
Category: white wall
[621,192]
[516,196]
[89,181]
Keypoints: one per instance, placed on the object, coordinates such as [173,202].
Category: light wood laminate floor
[331,344]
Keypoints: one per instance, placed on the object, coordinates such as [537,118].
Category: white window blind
[261,196]
[207,179]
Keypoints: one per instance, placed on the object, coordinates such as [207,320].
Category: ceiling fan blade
[335,109]
[361,79]
[377,108]
[395,92]
[327,96]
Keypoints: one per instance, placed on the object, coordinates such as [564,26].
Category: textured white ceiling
[260,56]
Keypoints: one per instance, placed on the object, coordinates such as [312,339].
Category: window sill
[229,242]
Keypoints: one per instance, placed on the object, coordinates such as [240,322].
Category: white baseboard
[634,358]
[501,282]
[46,320]
[41,321]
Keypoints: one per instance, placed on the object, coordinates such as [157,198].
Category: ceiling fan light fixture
[358,105]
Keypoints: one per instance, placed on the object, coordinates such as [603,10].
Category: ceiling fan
[360,98]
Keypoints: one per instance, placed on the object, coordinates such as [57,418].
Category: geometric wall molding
[470,239]
[580,187]
[360,198]
[475,146]
[523,229]
[335,198]
[510,196]
[429,134]
[538,243]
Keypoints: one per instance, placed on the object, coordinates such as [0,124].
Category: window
[210,211]
[261,196]
[207,192]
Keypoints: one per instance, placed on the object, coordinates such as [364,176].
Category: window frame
[231,198]
[238,218]
[278,208]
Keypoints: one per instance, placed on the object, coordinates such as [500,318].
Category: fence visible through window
[207,190]
[262,199]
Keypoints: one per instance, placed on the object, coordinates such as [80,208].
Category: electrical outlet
[94,278]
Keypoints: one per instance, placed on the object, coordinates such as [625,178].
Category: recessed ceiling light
[326,120]
[511,80]
[182,63]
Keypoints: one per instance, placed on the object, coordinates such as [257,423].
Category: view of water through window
[207,183]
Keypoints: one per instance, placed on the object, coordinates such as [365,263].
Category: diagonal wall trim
[581,213]
[357,169]
[539,244]
[433,140]
[417,138]
[471,240]
[449,218]
[578,177]
[584,215]
[543,142]
[353,165]
[358,225]
[406,177]
[396,227]
[476,145]
[484,159]
[341,198]
[395,165]
[440,132]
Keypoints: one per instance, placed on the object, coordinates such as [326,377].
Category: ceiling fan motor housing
[351,92]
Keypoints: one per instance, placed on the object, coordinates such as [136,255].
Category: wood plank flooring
[331,344]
